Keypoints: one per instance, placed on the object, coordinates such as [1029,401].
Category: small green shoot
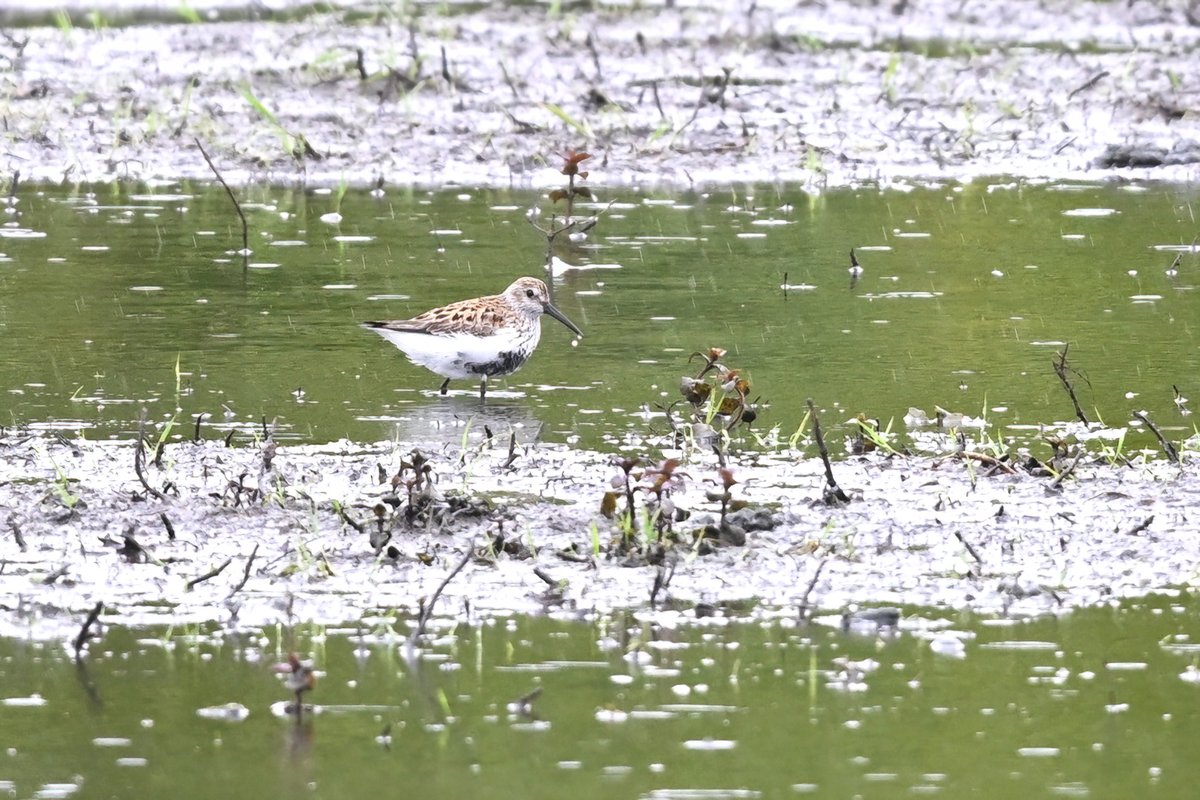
[188,14]
[889,78]
[578,126]
[594,530]
[794,439]
[876,437]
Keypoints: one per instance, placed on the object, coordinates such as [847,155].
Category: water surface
[1100,703]
[116,299]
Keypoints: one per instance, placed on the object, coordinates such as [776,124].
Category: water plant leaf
[694,391]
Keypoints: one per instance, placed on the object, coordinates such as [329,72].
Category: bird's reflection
[435,420]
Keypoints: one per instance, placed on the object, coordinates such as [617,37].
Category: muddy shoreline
[829,94]
[836,94]
[295,530]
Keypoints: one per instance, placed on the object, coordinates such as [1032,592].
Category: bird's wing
[478,317]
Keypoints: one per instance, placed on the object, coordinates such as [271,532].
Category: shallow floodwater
[1100,703]
[114,299]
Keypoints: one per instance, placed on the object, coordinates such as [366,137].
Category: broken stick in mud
[832,490]
[1061,369]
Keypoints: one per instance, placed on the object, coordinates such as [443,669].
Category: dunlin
[476,338]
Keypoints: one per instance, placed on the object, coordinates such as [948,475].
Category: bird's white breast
[462,355]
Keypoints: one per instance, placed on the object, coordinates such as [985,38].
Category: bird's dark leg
[445,383]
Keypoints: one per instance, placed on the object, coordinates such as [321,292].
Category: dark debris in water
[922,530]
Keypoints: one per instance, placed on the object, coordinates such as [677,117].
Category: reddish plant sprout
[661,482]
[727,482]
[574,229]
[711,359]
[418,486]
[734,390]
[724,495]
[571,161]
[626,481]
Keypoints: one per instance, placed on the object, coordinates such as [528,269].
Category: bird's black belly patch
[503,364]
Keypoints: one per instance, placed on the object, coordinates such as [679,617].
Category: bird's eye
[529,292]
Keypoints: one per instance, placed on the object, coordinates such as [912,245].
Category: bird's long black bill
[558,315]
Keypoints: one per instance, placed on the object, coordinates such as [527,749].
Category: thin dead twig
[1088,84]
[353,523]
[245,574]
[805,608]
[212,573]
[832,490]
[1168,448]
[139,458]
[233,199]
[166,521]
[512,451]
[1066,473]
[970,547]
[1140,527]
[85,632]
[991,461]
[1061,369]
[427,611]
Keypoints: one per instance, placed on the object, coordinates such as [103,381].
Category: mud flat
[829,94]
[311,533]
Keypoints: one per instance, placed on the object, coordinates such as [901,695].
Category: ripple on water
[708,744]
[56,791]
[1038,752]
[702,794]
[1019,645]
